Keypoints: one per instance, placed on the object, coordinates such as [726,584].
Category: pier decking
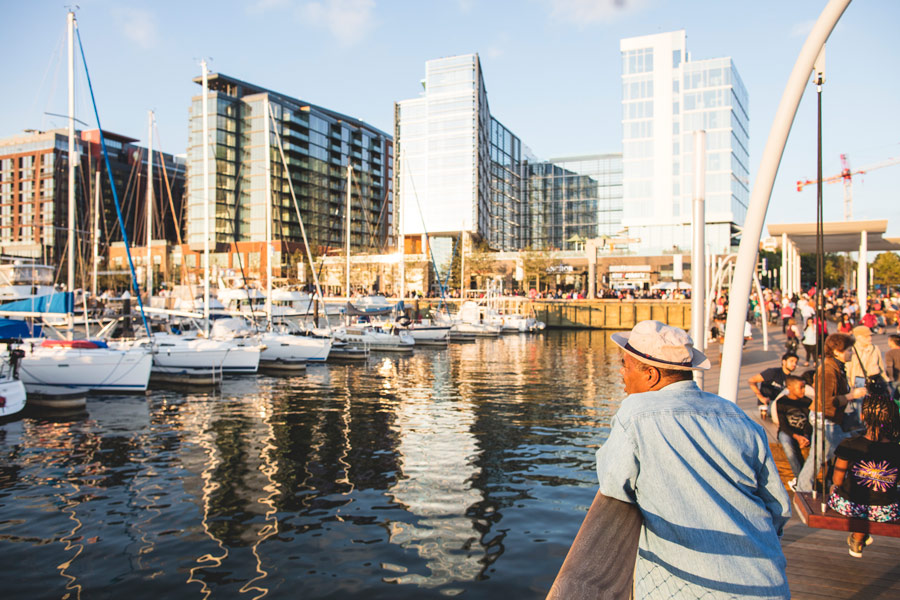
[818,564]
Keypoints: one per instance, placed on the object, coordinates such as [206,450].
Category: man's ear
[653,376]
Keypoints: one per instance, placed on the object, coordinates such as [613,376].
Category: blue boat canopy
[58,302]
[10,328]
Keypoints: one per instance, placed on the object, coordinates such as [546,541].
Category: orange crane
[846,175]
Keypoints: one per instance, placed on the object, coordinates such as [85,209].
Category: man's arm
[618,465]
[754,385]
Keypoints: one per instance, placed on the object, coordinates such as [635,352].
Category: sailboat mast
[402,249]
[268,165]
[73,159]
[205,197]
[95,231]
[149,203]
[347,241]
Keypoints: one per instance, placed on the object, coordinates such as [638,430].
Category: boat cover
[74,344]
[10,328]
[58,302]
[367,312]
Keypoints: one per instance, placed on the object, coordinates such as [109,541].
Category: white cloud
[587,12]
[802,29]
[138,25]
[348,20]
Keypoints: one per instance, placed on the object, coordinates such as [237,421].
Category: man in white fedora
[701,473]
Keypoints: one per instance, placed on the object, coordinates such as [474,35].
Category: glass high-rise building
[570,200]
[458,168]
[666,96]
[318,144]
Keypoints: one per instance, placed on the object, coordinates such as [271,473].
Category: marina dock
[818,565]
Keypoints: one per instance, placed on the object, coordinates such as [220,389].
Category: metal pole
[73,161]
[268,192]
[762,312]
[862,269]
[95,230]
[347,241]
[462,267]
[729,377]
[698,259]
[784,265]
[206,225]
[149,204]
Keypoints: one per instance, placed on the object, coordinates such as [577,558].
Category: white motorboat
[429,334]
[376,339]
[465,329]
[64,367]
[474,313]
[279,349]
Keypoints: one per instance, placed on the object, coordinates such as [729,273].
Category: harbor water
[463,471]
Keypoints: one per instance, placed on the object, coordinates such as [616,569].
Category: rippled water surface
[452,472]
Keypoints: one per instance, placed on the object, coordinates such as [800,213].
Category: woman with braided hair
[866,469]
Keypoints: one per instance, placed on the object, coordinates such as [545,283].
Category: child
[793,337]
[794,429]
[865,470]
[809,341]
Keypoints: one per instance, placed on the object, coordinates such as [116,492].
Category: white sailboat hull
[12,393]
[172,356]
[63,369]
[283,347]
[429,333]
[374,340]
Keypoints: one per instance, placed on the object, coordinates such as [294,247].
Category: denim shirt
[703,476]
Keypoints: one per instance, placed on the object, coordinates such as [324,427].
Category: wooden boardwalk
[818,564]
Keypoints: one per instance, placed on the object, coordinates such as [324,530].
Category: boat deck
[818,564]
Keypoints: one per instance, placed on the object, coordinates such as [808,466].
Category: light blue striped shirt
[713,504]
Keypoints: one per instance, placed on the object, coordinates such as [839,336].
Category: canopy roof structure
[839,236]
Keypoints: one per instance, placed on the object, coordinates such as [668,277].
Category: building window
[676,58]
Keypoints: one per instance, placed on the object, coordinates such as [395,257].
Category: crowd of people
[860,420]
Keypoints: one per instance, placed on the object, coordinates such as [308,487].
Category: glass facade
[570,200]
[458,169]
[318,144]
[506,189]
[666,97]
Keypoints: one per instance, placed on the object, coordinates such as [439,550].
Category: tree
[481,261]
[534,265]
[886,268]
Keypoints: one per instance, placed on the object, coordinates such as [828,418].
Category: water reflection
[453,471]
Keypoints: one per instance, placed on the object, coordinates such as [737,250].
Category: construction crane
[846,175]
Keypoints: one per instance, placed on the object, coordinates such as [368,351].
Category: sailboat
[63,370]
[12,390]
[186,357]
[282,351]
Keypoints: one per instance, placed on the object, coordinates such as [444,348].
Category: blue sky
[551,67]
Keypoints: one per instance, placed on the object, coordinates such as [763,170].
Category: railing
[600,563]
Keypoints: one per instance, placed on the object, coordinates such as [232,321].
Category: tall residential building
[34,193]
[666,96]
[570,200]
[318,144]
[458,168]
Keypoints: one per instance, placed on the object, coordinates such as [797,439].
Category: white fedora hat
[662,346]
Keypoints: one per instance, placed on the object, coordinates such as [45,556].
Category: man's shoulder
[680,397]
[771,373]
